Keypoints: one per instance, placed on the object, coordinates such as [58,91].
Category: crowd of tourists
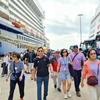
[63,67]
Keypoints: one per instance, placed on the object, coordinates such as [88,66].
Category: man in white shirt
[5,65]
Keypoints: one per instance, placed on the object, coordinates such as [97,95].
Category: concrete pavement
[30,91]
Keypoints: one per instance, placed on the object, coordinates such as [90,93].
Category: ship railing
[6,21]
[16,42]
[39,7]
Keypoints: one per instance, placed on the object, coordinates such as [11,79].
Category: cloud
[62,21]
[59,42]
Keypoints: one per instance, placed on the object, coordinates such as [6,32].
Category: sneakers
[59,90]
[44,98]
[28,73]
[78,94]
[2,75]
[31,78]
[69,95]
[65,96]
[55,86]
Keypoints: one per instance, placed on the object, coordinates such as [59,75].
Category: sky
[62,23]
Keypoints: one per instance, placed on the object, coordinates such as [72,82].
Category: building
[95,24]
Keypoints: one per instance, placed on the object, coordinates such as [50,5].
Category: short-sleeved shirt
[77,60]
[6,60]
[94,67]
[41,64]
[63,64]
[54,62]
[19,66]
[49,54]
[30,56]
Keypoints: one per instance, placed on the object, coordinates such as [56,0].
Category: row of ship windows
[20,46]
[26,39]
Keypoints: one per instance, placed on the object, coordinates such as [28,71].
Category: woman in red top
[54,62]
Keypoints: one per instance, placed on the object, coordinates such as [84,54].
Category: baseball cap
[57,50]
[75,46]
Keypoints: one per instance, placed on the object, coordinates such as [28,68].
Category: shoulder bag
[71,67]
[93,80]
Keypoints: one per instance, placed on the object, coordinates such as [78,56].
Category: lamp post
[80,15]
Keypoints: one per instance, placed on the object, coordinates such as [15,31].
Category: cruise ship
[95,24]
[21,26]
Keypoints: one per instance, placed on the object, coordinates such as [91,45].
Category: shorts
[31,65]
[27,64]
[64,75]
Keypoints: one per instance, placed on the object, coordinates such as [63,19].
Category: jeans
[77,79]
[64,75]
[45,80]
[12,88]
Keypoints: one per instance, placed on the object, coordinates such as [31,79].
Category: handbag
[71,67]
[2,65]
[71,70]
[15,74]
[93,80]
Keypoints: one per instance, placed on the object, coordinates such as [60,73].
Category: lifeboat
[22,25]
[37,33]
[31,30]
[18,24]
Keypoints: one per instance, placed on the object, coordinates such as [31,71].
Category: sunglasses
[14,57]
[57,52]
[40,51]
[64,51]
[92,53]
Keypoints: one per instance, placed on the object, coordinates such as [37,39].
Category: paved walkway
[30,91]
